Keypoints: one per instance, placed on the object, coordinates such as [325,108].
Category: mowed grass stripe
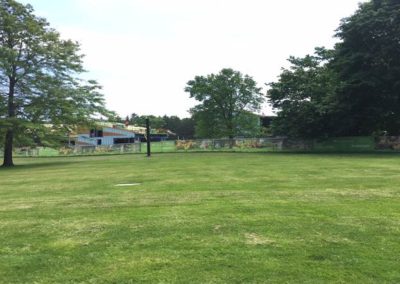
[205,217]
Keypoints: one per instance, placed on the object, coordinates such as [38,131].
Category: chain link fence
[198,145]
[343,144]
[237,144]
[79,150]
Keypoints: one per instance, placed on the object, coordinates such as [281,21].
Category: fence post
[148,137]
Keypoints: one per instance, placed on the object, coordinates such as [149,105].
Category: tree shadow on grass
[35,165]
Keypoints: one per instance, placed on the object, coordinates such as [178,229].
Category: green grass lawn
[205,217]
[164,146]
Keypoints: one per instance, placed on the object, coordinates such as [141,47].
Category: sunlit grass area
[205,217]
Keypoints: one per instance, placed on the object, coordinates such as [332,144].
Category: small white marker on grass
[127,184]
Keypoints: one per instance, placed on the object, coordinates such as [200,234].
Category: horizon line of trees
[183,127]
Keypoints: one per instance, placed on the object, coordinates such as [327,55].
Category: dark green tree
[156,122]
[186,129]
[368,64]
[225,99]
[208,123]
[40,92]
[135,120]
[183,128]
[355,90]
[171,122]
[304,97]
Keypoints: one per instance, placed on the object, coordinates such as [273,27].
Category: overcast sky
[144,51]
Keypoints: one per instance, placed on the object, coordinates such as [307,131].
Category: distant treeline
[182,127]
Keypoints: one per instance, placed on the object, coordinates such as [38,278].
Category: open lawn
[205,217]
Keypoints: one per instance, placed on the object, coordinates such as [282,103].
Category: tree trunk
[8,147]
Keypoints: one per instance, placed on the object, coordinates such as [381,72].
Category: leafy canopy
[349,91]
[304,96]
[226,101]
[40,90]
[368,65]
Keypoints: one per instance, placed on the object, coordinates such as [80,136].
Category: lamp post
[148,137]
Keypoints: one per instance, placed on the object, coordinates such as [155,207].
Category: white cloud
[144,51]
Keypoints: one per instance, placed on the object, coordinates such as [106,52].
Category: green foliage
[368,64]
[305,96]
[40,92]
[140,120]
[208,123]
[351,91]
[183,128]
[226,99]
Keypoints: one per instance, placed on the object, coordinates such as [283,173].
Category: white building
[107,136]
